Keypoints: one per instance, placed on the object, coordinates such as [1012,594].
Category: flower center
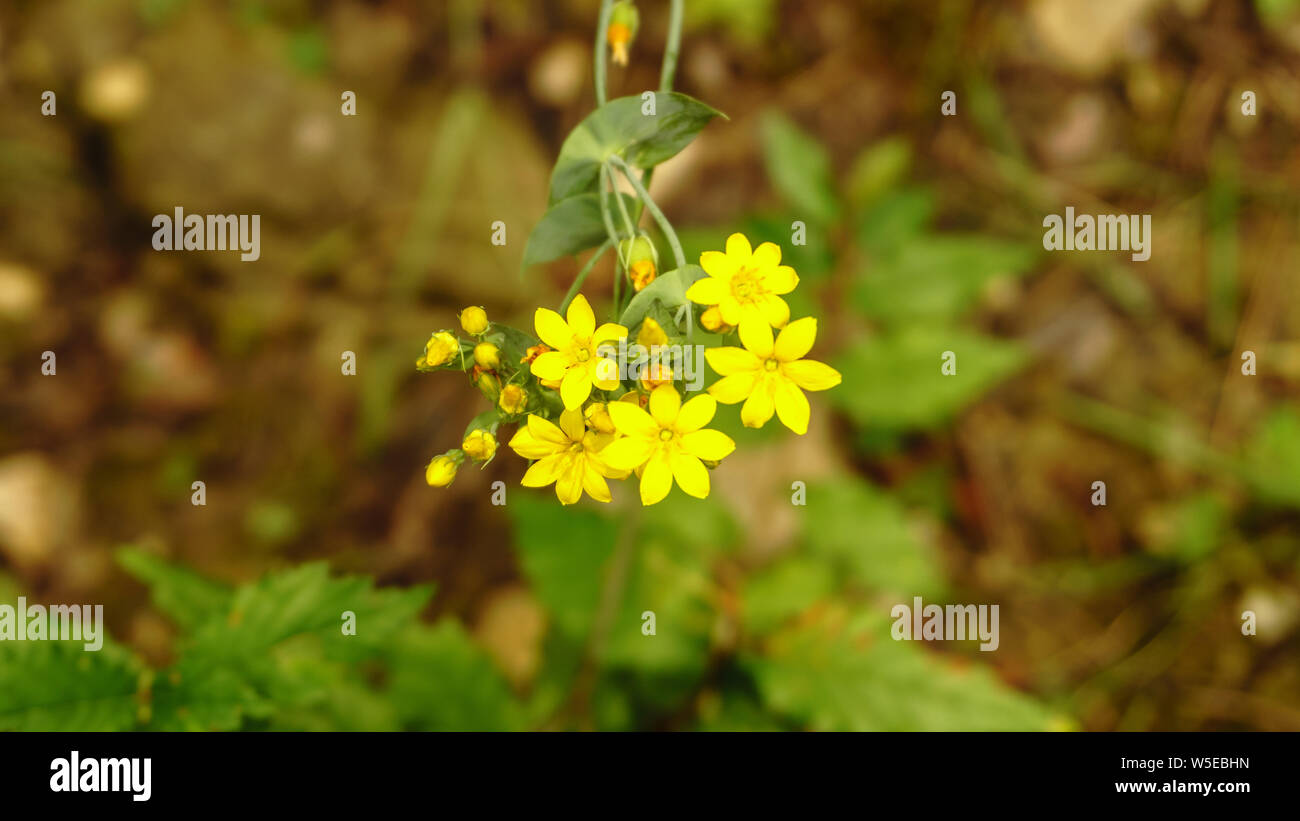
[771,364]
[744,285]
[665,434]
[582,355]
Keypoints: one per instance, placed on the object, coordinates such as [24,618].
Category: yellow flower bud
[651,334]
[642,273]
[474,320]
[479,445]
[711,319]
[441,470]
[532,353]
[624,20]
[656,374]
[441,348]
[597,416]
[487,382]
[487,355]
[513,399]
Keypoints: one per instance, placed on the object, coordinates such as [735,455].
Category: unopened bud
[479,445]
[513,399]
[487,355]
[441,348]
[474,320]
[624,20]
[442,469]
[597,416]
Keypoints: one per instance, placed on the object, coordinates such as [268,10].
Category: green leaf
[782,591]
[938,278]
[563,551]
[893,382]
[895,221]
[865,535]
[1272,459]
[441,680]
[799,168]
[844,672]
[59,686]
[878,169]
[669,289]
[619,127]
[570,226]
[185,596]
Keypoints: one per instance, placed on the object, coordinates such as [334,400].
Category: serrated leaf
[619,127]
[799,169]
[669,289]
[893,382]
[571,226]
[844,672]
[186,597]
[59,686]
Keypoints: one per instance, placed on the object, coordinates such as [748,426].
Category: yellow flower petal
[811,375]
[576,387]
[665,403]
[632,420]
[573,425]
[690,474]
[791,405]
[796,339]
[708,444]
[707,291]
[730,309]
[719,265]
[552,328]
[595,484]
[544,430]
[544,472]
[759,407]
[551,365]
[607,332]
[735,388]
[695,413]
[756,337]
[582,321]
[628,453]
[604,373]
[774,310]
[656,478]
[529,447]
[766,256]
[739,249]
[727,361]
[781,280]
[568,486]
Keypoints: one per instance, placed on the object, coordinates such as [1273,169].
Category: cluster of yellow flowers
[580,424]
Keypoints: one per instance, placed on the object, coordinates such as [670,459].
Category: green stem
[582,275]
[650,205]
[605,184]
[602,27]
[673,46]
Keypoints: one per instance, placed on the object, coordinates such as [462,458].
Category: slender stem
[605,184]
[582,275]
[602,27]
[650,205]
[673,46]
[622,207]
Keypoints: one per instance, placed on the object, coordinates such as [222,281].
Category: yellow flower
[651,334]
[567,454]
[642,273]
[655,374]
[598,418]
[623,23]
[479,445]
[513,399]
[574,360]
[669,443]
[441,348]
[474,320]
[441,470]
[487,355]
[768,376]
[745,284]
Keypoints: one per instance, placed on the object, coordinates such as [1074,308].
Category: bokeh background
[924,235]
